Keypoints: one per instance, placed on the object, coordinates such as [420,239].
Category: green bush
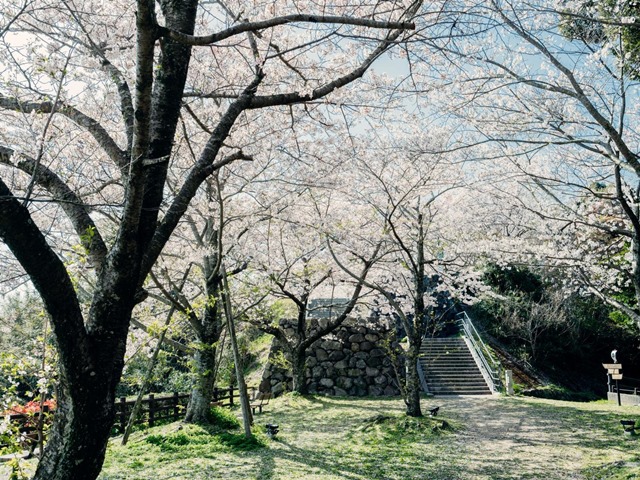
[223,418]
[555,392]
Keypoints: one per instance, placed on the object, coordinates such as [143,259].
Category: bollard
[508,383]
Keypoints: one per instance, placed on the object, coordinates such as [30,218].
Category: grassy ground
[338,438]
[342,438]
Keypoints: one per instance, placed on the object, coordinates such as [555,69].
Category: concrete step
[461,391]
[453,375]
[459,383]
[450,366]
[450,369]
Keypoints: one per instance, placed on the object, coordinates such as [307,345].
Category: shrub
[223,418]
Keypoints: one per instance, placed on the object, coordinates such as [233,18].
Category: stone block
[356,338]
[366,346]
[342,364]
[326,382]
[372,372]
[377,352]
[343,335]
[390,391]
[354,372]
[336,355]
[374,361]
[277,389]
[381,380]
[355,347]
[360,382]
[371,337]
[339,392]
[375,391]
[361,364]
[321,354]
[331,345]
[344,382]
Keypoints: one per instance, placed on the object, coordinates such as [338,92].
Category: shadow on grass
[566,437]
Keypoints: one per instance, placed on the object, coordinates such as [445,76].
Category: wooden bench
[261,400]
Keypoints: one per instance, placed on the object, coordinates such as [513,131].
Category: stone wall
[352,361]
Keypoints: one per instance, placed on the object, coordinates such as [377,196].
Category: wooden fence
[171,407]
[29,425]
[154,409]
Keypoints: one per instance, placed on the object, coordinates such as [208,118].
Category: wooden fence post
[231,395]
[151,410]
[215,394]
[123,414]
[176,409]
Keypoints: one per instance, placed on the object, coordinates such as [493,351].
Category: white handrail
[487,362]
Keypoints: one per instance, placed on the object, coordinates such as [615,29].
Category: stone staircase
[450,369]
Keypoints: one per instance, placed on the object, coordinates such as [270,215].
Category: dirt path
[533,438]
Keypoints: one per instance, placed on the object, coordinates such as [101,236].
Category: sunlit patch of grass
[614,471]
[172,445]
[328,438]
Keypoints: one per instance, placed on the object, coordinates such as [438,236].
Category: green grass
[491,438]
[319,438]
[346,438]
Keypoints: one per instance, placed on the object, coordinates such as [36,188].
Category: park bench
[261,400]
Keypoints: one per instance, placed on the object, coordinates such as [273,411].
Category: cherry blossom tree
[91,103]
[297,267]
[411,197]
[553,115]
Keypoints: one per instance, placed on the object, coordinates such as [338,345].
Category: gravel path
[534,438]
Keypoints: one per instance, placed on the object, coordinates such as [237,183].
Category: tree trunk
[298,362]
[202,392]
[412,382]
[247,418]
[81,428]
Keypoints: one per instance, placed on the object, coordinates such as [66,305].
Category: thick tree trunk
[412,382]
[202,392]
[298,362]
[82,425]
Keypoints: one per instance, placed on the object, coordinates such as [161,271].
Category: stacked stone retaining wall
[352,361]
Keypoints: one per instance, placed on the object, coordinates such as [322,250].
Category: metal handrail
[486,361]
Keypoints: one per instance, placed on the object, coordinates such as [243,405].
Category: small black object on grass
[272,429]
[629,426]
[444,425]
[434,411]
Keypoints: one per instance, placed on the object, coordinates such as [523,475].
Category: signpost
[614,373]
